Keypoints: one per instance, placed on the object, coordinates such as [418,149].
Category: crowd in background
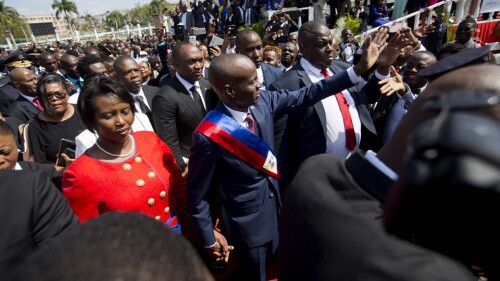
[226,142]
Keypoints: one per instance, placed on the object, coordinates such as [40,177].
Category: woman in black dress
[58,121]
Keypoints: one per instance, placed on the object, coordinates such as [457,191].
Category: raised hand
[372,47]
[393,84]
[389,55]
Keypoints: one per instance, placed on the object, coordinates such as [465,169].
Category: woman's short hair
[41,90]
[97,85]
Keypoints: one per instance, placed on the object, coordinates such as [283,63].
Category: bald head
[234,78]
[249,44]
[24,80]
[310,30]
[69,64]
[18,73]
[226,68]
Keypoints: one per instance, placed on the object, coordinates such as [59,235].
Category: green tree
[157,6]
[66,7]
[115,19]
[10,21]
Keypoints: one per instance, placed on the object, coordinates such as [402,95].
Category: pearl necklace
[117,155]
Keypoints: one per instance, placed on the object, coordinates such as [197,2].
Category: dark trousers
[253,262]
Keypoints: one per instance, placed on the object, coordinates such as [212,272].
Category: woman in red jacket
[123,171]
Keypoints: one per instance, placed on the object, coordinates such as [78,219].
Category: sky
[43,7]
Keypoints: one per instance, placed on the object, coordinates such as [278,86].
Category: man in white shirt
[333,125]
[129,74]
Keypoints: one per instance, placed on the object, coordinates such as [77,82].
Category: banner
[490,6]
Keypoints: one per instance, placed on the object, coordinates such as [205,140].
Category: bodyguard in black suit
[128,71]
[340,233]
[249,44]
[24,107]
[32,212]
[177,110]
[317,129]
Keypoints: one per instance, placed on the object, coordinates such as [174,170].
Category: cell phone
[200,31]
[281,39]
[192,39]
[275,27]
[231,30]
[67,147]
[214,41]
[280,15]
[179,31]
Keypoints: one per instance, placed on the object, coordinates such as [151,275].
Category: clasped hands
[221,250]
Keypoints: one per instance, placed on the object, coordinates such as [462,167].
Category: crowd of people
[278,154]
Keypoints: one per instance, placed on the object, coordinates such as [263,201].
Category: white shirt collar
[187,84]
[309,68]
[29,98]
[18,167]
[239,116]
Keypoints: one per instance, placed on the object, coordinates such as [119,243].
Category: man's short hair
[117,246]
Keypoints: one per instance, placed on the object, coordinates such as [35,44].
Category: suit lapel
[29,106]
[186,98]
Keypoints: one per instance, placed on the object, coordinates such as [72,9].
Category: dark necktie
[198,101]
[251,123]
[142,105]
[350,137]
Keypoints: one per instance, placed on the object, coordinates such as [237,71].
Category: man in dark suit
[201,18]
[251,14]
[27,106]
[247,185]
[249,44]
[9,94]
[438,37]
[177,110]
[32,212]
[322,128]
[128,71]
[186,18]
[345,221]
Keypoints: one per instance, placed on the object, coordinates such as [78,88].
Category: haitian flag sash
[238,140]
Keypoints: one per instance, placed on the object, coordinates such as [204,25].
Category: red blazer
[150,182]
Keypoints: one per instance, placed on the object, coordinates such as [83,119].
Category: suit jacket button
[271,195]
[151,175]
[140,183]
[138,160]
[167,209]
[151,202]
[127,167]
[157,218]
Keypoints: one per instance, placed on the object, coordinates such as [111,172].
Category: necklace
[117,155]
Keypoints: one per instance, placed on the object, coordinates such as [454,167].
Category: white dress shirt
[239,116]
[260,77]
[136,103]
[335,130]
[29,98]
[188,87]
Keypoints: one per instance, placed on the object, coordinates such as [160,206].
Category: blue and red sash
[238,140]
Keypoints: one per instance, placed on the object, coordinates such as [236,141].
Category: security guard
[8,94]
